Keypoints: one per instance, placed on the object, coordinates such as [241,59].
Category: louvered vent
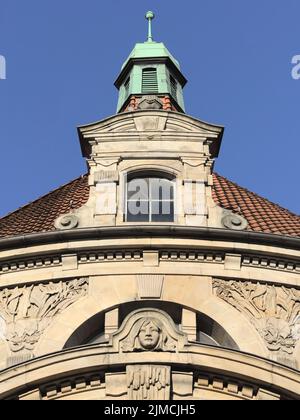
[149,82]
[126,87]
[173,85]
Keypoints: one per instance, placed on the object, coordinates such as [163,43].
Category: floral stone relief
[273,310]
[27,311]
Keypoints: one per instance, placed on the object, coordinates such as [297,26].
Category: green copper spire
[150,16]
[150,70]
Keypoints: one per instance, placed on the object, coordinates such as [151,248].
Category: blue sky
[63,57]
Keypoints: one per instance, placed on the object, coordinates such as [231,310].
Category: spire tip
[150,16]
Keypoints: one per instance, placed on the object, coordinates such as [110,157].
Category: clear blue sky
[63,57]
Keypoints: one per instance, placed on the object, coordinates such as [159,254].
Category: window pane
[161,189]
[138,189]
[150,200]
[138,211]
[162,211]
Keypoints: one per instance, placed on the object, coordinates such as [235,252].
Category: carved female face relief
[149,335]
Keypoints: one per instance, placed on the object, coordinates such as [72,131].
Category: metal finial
[150,16]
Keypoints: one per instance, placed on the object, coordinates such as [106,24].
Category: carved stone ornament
[149,102]
[149,330]
[273,310]
[67,222]
[106,176]
[234,221]
[148,382]
[28,310]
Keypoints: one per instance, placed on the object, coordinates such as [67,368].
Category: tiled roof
[39,216]
[261,214]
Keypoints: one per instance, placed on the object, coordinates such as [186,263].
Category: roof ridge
[42,197]
[257,195]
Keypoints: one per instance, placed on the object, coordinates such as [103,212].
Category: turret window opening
[149,81]
[150,198]
[173,85]
[126,87]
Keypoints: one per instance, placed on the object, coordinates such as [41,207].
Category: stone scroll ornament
[27,311]
[67,222]
[234,221]
[273,310]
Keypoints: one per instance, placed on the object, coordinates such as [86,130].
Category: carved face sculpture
[149,334]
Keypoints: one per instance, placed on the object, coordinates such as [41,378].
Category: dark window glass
[150,200]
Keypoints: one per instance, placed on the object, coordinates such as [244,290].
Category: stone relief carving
[148,335]
[150,330]
[149,102]
[27,311]
[150,122]
[66,222]
[148,382]
[273,310]
[106,176]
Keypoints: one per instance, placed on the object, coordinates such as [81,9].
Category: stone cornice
[222,361]
[153,231]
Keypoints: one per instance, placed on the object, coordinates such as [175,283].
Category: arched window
[149,81]
[150,198]
[209,332]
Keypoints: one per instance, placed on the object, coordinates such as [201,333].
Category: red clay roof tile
[40,215]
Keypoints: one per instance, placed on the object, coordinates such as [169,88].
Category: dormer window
[149,81]
[150,199]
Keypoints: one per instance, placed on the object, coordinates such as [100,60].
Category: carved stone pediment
[145,120]
[148,330]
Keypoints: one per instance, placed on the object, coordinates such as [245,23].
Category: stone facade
[105,309]
[103,284]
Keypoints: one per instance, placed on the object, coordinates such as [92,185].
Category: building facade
[151,277]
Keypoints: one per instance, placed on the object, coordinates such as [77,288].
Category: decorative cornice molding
[184,232]
[200,359]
